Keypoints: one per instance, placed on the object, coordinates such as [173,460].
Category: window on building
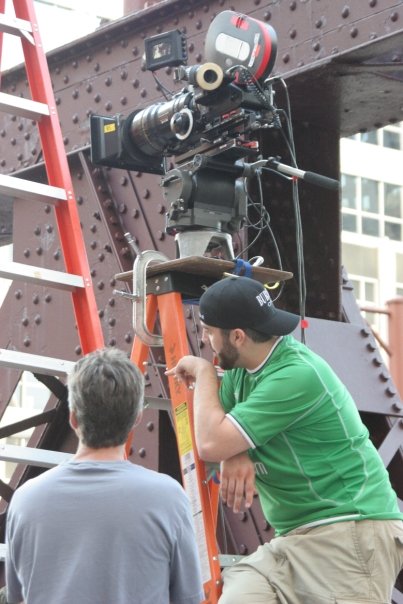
[376,210]
[392,139]
[370,137]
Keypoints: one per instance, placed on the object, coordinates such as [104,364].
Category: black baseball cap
[241,302]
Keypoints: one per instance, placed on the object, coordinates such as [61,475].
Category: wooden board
[208,267]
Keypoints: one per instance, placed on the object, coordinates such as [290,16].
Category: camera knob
[182,123]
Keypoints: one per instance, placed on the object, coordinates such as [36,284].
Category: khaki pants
[341,563]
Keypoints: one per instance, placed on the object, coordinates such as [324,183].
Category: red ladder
[59,191]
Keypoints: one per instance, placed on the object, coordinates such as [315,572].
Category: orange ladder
[165,303]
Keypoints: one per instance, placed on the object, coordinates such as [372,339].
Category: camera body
[206,127]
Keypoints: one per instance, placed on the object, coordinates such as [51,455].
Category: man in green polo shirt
[283,418]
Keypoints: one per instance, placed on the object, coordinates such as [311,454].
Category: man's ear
[138,419]
[73,421]
[238,336]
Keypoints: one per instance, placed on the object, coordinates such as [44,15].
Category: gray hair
[106,392]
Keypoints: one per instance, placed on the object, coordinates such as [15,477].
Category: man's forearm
[208,412]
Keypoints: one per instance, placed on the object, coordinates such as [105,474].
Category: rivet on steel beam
[93,272]
[108,81]
[37,320]
[48,298]
[27,341]
[394,16]
[354,32]
[101,257]
[396,406]
[377,361]
[112,321]
[56,255]
[66,140]
[13,141]
[2,133]
[112,342]
[365,331]
[58,100]
[39,250]
[372,3]
[123,74]
[2,162]
[25,321]
[88,88]
[27,253]
[128,338]
[20,126]
[199,24]
[124,43]
[293,5]
[101,314]
[77,350]
[108,50]
[100,285]
[97,67]
[112,282]
[257,2]
[111,302]
[286,58]
[371,346]
[88,58]
[391,390]
[108,106]
[143,93]
[35,299]
[18,294]
[75,94]
[345,12]
[293,34]
[135,51]
[161,235]
[66,79]
[142,452]
[316,46]
[136,83]
[93,245]
[75,118]
[384,376]
[135,213]
[93,228]
[150,426]
[243,549]
[80,200]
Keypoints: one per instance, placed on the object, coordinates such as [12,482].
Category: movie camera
[207,129]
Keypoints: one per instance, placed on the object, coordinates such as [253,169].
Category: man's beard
[228,355]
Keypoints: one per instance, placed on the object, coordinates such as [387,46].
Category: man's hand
[187,369]
[238,481]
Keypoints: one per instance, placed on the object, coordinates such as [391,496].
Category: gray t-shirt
[101,533]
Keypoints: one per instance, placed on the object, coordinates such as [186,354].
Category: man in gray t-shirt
[99,529]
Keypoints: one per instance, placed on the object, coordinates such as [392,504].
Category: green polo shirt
[313,457]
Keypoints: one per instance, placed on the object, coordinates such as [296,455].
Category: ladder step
[33,457]
[23,107]
[14,26]
[31,191]
[34,363]
[41,276]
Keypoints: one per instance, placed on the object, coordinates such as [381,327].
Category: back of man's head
[106,393]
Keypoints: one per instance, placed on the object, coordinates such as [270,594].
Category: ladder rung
[155,402]
[33,457]
[29,190]
[3,548]
[17,105]
[14,26]
[34,363]
[41,276]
